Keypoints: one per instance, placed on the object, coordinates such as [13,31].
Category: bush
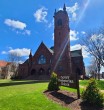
[92,94]
[14,77]
[53,84]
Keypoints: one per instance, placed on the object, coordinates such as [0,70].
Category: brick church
[59,58]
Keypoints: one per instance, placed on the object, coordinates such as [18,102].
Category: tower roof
[55,12]
[30,53]
[64,8]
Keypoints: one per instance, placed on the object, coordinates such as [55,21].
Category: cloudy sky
[24,24]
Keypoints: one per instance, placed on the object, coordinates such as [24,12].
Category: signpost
[72,82]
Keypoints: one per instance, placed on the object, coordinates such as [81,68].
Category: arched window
[41,71]
[59,22]
[42,59]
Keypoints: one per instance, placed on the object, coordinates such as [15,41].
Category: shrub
[53,84]
[14,77]
[92,94]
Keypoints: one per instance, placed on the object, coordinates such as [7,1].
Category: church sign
[72,82]
[66,81]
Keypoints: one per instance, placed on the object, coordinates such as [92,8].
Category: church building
[59,58]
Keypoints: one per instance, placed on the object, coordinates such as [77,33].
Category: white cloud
[97,37]
[28,32]
[72,11]
[73,35]
[73,8]
[51,24]
[15,24]
[74,16]
[20,62]
[3,52]
[10,48]
[83,32]
[77,47]
[41,14]
[21,52]
[18,27]
[25,32]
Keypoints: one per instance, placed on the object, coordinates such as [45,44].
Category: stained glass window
[42,59]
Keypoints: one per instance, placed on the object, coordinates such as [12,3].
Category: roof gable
[43,46]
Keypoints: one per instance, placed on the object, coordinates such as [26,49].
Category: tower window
[42,59]
[50,60]
[59,22]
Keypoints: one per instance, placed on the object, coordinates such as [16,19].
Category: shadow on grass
[66,99]
[18,82]
[70,99]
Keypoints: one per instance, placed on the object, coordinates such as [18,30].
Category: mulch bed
[69,100]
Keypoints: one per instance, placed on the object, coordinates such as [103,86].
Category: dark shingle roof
[76,53]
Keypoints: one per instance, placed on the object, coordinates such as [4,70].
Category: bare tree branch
[94,42]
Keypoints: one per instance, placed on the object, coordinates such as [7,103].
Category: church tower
[62,58]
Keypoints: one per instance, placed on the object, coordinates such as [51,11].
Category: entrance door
[33,72]
[41,71]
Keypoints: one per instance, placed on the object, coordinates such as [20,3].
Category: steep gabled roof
[42,44]
[48,48]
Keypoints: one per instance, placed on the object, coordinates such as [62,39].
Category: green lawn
[28,95]
[99,83]
[25,95]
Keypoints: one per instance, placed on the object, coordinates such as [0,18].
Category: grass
[68,89]
[25,95]
[99,83]
[28,95]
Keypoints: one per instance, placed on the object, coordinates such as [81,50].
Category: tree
[14,58]
[94,42]
[4,72]
[93,68]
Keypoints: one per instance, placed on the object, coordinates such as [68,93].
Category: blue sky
[24,24]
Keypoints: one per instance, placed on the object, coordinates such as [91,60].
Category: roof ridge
[47,48]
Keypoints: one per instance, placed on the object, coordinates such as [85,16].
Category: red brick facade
[60,59]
